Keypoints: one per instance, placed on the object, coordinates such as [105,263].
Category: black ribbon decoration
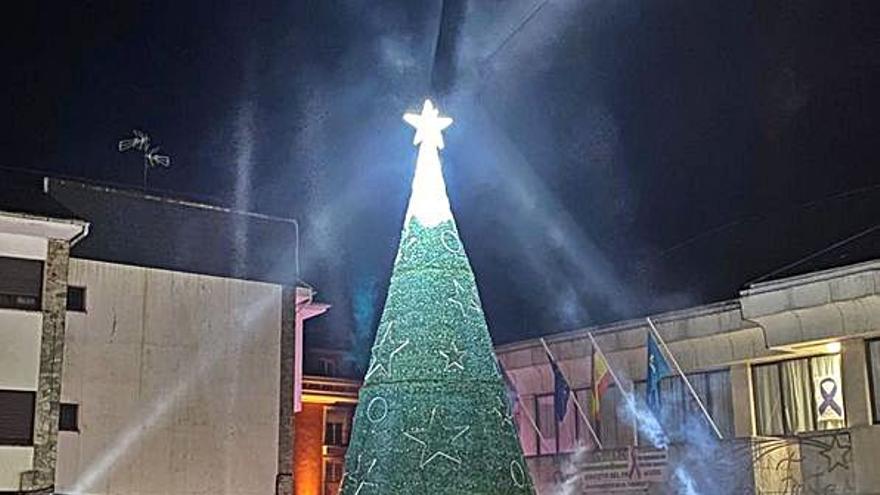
[828,396]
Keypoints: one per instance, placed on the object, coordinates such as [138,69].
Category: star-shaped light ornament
[428,202]
[454,357]
[438,441]
[429,126]
[384,352]
[465,300]
[358,477]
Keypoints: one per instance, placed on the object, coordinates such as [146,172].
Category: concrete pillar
[855,383]
[743,400]
[51,356]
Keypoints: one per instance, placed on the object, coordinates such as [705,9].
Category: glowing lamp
[832,347]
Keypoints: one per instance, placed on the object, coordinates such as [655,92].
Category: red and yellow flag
[601,381]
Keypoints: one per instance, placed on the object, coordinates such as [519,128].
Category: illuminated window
[874,376]
[798,395]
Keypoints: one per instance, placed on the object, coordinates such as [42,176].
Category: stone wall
[286,430]
[42,477]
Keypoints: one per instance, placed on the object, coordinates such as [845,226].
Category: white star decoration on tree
[454,357]
[359,475]
[384,352]
[429,126]
[469,298]
[428,202]
[503,413]
[435,441]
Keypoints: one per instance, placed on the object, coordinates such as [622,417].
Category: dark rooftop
[22,192]
[136,228]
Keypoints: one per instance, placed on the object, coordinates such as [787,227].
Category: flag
[561,391]
[601,381]
[657,369]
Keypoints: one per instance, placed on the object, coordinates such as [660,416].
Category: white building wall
[177,380]
[19,349]
[19,354]
[13,462]
[23,246]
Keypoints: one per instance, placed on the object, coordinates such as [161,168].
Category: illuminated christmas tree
[433,416]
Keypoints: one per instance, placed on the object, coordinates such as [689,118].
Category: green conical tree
[433,416]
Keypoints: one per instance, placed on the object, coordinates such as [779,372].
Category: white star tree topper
[428,203]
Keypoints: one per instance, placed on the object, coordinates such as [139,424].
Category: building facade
[323,425]
[149,350]
[789,372]
[34,256]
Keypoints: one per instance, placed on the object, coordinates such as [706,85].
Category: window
[528,437]
[545,417]
[332,471]
[327,366]
[336,426]
[76,298]
[68,417]
[874,376]
[333,434]
[798,395]
[16,417]
[678,405]
[21,283]
[679,414]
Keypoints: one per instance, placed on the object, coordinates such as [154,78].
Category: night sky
[610,158]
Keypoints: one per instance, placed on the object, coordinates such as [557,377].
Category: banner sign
[623,470]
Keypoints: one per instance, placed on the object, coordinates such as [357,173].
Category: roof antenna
[141,142]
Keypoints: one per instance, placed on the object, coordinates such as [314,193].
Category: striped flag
[601,381]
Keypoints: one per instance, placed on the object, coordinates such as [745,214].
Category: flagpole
[576,403]
[626,395]
[684,377]
[532,422]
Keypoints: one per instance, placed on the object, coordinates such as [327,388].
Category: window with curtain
[798,395]
[874,375]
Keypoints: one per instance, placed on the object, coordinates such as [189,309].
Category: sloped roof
[22,192]
[137,228]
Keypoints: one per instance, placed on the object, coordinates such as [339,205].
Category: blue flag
[561,392]
[657,369]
